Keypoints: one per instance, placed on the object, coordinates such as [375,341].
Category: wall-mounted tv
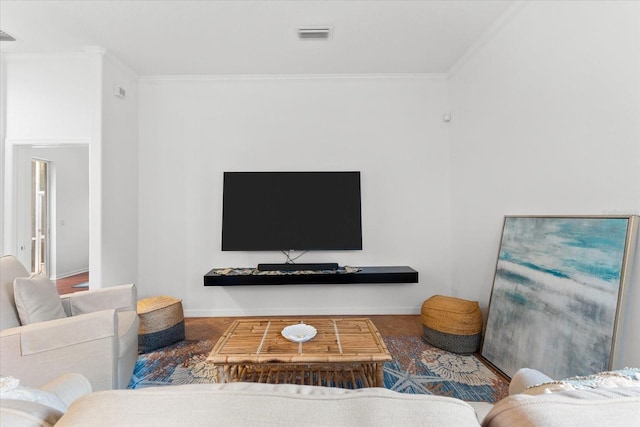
[282,211]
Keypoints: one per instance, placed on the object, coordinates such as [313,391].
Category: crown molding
[105,53]
[8,56]
[249,77]
[96,50]
[88,52]
[48,142]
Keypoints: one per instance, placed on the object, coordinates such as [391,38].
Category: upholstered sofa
[252,404]
[92,332]
[552,404]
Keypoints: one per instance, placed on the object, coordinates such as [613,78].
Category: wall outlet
[119,91]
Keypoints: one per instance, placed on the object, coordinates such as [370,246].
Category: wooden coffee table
[346,352]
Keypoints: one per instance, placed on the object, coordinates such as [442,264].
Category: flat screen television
[282,211]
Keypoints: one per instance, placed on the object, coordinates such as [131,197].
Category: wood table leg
[379,375]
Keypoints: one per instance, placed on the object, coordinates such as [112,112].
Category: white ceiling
[207,37]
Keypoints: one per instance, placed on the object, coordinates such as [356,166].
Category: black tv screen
[268,211]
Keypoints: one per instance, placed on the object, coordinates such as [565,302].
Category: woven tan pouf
[452,324]
[161,322]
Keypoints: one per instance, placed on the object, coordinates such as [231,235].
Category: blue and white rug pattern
[417,368]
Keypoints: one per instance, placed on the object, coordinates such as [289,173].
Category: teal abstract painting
[554,302]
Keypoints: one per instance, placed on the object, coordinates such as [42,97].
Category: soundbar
[298,267]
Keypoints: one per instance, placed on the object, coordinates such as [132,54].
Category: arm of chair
[123,297]
[39,352]
[68,387]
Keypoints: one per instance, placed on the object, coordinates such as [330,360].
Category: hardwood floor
[65,285]
[212,328]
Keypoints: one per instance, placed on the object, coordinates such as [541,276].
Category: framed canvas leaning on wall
[557,293]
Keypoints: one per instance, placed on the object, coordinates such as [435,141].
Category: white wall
[47,98]
[546,120]
[389,128]
[114,162]
[3,134]
[47,104]
[61,99]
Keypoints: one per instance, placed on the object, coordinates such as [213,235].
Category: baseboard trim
[308,311]
[69,274]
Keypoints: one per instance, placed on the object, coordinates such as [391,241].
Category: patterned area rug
[416,368]
[420,368]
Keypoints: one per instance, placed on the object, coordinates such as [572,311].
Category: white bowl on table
[300,332]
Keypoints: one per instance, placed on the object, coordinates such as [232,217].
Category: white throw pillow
[37,299]
[627,377]
[11,389]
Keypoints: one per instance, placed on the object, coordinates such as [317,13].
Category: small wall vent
[315,33]
[6,37]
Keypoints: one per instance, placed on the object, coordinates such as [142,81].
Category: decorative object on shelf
[255,272]
[345,275]
[557,289]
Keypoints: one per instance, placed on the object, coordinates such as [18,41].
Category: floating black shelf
[393,274]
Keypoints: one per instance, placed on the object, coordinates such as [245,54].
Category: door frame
[16,232]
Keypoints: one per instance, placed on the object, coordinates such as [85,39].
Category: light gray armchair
[98,337]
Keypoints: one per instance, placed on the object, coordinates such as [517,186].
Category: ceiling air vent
[314,33]
[6,37]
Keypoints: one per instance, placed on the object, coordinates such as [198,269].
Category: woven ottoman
[452,324]
[161,322]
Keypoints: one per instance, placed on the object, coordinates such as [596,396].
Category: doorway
[51,208]
[40,216]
